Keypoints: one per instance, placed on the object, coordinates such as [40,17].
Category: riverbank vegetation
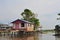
[48,31]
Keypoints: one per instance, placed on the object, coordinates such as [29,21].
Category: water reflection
[28,37]
[31,37]
[25,37]
[48,37]
[57,37]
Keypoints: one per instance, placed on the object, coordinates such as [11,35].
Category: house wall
[16,25]
[30,28]
[27,26]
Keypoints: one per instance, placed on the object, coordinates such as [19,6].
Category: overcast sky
[47,11]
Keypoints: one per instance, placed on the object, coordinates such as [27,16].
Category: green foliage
[35,21]
[58,13]
[57,28]
[29,16]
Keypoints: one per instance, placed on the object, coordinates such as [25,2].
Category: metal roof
[21,20]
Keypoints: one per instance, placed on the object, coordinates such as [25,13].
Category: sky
[46,11]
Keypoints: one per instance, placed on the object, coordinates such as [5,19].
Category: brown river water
[38,36]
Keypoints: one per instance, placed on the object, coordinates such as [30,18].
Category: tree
[58,13]
[35,21]
[29,16]
[57,29]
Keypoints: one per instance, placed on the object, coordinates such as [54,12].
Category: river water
[38,36]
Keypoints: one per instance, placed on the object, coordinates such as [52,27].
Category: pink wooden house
[22,25]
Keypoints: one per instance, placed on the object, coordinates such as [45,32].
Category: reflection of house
[22,25]
[28,37]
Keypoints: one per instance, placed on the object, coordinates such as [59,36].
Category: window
[22,24]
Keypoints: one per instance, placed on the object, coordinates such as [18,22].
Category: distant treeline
[46,31]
